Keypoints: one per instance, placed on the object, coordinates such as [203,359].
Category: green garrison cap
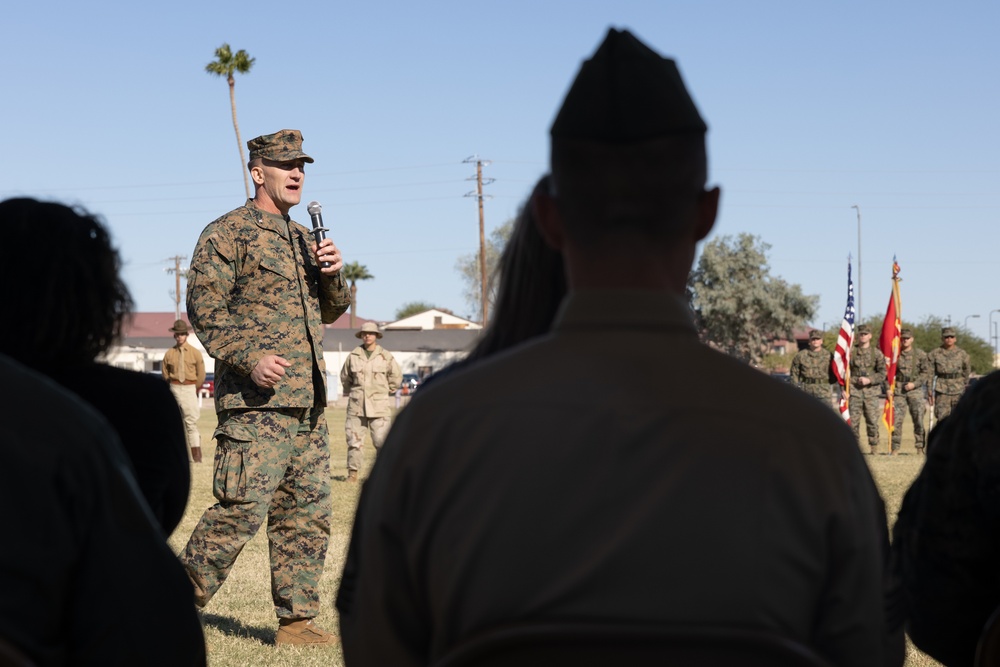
[626,93]
[864,328]
[948,331]
[282,146]
[815,333]
[906,333]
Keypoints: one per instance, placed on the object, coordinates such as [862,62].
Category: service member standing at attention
[867,376]
[950,367]
[184,368]
[259,293]
[812,369]
[369,376]
[912,370]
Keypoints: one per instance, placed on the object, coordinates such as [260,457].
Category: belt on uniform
[949,376]
[182,383]
[814,381]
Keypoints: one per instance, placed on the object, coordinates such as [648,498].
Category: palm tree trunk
[236,126]
[354,297]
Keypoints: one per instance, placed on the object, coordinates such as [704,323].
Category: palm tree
[354,272]
[225,64]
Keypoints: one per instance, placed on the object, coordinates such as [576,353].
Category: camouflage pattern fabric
[272,464]
[355,428]
[950,370]
[912,366]
[811,372]
[866,362]
[255,289]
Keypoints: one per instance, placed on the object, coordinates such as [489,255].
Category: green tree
[413,308]
[225,64]
[738,305]
[468,267]
[352,273]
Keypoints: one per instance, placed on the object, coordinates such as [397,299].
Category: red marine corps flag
[888,342]
[842,354]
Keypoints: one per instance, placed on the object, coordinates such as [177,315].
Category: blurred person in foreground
[87,577]
[183,368]
[369,375]
[947,537]
[259,293]
[501,497]
[71,305]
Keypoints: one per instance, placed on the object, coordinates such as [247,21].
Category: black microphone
[319,231]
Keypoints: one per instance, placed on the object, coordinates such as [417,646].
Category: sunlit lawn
[239,622]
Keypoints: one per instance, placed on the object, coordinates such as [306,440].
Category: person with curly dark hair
[71,303]
[946,540]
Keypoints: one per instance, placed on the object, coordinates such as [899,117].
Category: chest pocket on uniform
[279,266]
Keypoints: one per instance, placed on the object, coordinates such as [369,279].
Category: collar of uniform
[270,221]
[607,309]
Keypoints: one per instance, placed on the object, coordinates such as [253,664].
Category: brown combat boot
[196,454]
[303,632]
[352,475]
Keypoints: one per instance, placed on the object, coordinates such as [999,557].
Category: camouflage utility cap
[864,329]
[906,333]
[947,331]
[626,93]
[369,327]
[815,334]
[282,146]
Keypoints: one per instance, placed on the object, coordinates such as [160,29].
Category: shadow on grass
[236,628]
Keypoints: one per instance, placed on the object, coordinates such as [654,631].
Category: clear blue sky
[812,107]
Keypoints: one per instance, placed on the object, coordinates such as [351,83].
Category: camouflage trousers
[914,402]
[355,428]
[272,464]
[944,404]
[866,403]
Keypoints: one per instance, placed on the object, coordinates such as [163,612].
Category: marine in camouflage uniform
[259,297]
[368,377]
[867,376]
[950,367]
[812,369]
[912,371]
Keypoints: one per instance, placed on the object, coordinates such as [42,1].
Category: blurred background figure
[184,368]
[947,537]
[70,302]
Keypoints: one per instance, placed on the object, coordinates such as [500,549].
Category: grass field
[240,623]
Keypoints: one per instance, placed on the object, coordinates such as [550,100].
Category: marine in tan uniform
[867,376]
[369,376]
[812,369]
[184,368]
[258,296]
[950,368]
[912,370]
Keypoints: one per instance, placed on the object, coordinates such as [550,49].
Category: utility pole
[478,194]
[177,259]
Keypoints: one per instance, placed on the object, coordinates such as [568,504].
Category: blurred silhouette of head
[63,285]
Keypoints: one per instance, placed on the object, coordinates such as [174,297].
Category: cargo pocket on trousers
[233,440]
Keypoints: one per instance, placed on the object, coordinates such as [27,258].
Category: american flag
[842,353]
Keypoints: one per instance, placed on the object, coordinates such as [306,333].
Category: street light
[858,209]
[967,320]
[993,333]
